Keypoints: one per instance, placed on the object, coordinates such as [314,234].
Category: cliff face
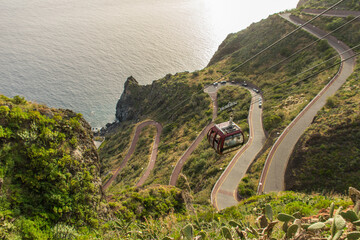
[125,109]
[141,101]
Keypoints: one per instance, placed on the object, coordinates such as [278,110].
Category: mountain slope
[179,104]
[331,144]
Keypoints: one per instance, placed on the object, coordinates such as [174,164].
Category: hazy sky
[249,11]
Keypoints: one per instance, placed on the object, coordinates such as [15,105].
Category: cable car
[225,137]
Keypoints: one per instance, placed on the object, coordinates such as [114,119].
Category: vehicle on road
[244,84]
[256,90]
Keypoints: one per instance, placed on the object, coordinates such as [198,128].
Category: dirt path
[132,149]
[153,155]
[181,162]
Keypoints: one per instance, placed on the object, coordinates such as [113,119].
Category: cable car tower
[225,137]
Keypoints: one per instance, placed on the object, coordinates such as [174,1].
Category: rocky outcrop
[125,107]
[301,3]
[140,100]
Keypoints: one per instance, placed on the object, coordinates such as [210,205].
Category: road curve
[132,149]
[224,192]
[181,162]
[153,154]
[212,91]
[272,177]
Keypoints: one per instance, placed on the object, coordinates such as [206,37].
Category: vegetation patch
[327,156]
[321,4]
[205,166]
[241,219]
[153,202]
[138,162]
[49,169]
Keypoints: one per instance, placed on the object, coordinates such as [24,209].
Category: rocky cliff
[132,93]
[142,101]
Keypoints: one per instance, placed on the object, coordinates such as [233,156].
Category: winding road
[212,91]
[272,177]
[181,162]
[224,192]
[132,149]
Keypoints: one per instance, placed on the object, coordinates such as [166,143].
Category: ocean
[77,54]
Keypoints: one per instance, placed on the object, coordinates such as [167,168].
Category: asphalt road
[332,13]
[273,175]
[212,91]
[132,149]
[224,193]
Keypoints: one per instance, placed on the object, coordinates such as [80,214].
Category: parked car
[215,83]
[260,104]
[223,82]
[256,90]
[244,84]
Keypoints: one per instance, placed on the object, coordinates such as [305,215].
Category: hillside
[321,4]
[51,173]
[331,144]
[179,104]
[49,169]
[312,155]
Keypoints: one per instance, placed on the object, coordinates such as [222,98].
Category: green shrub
[19,100]
[271,122]
[32,230]
[331,102]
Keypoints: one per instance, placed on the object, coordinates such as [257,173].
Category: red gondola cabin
[225,136]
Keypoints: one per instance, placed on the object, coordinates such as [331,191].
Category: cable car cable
[304,79]
[282,38]
[268,47]
[311,44]
[271,45]
[309,69]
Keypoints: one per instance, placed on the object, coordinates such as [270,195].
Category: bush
[19,100]
[271,122]
[32,229]
[331,102]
